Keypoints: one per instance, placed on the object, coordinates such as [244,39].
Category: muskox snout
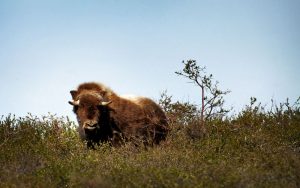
[90,125]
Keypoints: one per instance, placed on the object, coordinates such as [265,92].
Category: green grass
[254,149]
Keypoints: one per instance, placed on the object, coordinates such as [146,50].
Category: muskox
[104,116]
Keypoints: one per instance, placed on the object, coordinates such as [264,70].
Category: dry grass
[255,148]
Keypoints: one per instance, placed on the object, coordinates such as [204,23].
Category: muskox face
[88,108]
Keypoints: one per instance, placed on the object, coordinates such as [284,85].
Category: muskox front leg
[90,145]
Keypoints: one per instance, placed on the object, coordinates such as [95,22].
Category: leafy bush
[257,147]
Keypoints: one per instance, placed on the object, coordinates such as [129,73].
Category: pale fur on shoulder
[133,98]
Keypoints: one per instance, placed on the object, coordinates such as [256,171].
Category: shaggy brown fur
[124,118]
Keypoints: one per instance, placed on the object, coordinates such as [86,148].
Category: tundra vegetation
[258,146]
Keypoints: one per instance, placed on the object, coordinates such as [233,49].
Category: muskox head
[88,106]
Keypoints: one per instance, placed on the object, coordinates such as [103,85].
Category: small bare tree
[212,100]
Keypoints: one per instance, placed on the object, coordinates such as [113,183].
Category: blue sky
[49,47]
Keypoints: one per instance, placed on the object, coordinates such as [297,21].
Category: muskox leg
[117,139]
[90,145]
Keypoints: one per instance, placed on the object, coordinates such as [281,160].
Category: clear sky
[47,48]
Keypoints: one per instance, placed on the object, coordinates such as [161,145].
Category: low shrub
[254,148]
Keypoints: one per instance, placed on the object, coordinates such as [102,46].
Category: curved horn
[74,103]
[103,103]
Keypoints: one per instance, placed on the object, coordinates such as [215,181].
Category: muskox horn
[103,103]
[74,103]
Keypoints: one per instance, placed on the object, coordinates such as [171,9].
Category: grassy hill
[255,148]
